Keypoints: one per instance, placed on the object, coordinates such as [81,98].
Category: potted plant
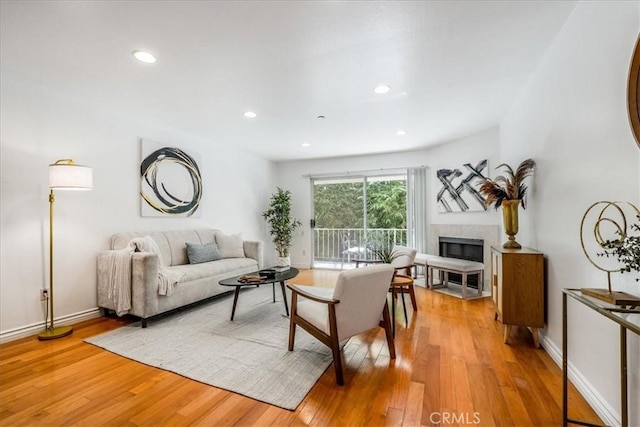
[384,253]
[508,191]
[282,225]
[626,249]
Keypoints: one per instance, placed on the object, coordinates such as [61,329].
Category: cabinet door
[523,295]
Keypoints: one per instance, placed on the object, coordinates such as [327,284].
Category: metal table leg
[235,301]
[623,376]
[565,409]
[284,298]
[404,307]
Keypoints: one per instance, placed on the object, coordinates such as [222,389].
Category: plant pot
[283,261]
[510,221]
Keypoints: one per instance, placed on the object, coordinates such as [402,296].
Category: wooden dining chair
[403,263]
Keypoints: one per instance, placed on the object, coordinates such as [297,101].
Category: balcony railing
[347,244]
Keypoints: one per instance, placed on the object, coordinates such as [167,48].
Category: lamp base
[57,332]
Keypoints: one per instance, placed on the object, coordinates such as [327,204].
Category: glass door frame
[365,179]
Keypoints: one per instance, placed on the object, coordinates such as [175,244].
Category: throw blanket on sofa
[119,291]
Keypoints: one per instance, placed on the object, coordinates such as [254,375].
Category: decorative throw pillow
[202,253]
[230,246]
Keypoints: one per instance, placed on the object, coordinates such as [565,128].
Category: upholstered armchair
[356,304]
[403,263]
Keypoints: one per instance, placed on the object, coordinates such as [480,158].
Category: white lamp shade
[70,177]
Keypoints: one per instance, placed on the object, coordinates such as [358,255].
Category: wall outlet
[44,294]
[304,252]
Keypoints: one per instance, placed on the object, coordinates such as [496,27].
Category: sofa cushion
[202,253]
[121,240]
[150,245]
[209,269]
[230,245]
[177,240]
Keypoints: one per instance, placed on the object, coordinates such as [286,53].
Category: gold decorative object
[508,190]
[633,92]
[610,224]
[510,220]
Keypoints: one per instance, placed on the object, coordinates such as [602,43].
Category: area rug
[248,356]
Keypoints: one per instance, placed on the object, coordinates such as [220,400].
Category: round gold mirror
[633,93]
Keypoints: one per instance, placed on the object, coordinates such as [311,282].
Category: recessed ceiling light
[143,56]
[250,114]
[382,89]
[401,132]
[305,144]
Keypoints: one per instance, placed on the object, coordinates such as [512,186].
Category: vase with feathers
[508,190]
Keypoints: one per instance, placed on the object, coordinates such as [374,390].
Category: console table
[627,318]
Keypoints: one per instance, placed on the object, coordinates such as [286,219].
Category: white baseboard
[301,266]
[35,328]
[604,410]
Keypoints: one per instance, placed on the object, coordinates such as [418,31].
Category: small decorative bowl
[269,273]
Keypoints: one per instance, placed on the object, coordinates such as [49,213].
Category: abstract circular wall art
[170,181]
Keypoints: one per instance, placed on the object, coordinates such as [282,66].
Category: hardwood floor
[451,369]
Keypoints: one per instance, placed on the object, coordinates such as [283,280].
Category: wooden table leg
[393,312]
[507,332]
[536,338]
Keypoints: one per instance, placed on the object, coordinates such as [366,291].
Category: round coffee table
[279,277]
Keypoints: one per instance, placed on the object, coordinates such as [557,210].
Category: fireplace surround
[462,248]
[489,234]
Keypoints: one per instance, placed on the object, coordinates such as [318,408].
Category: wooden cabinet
[518,288]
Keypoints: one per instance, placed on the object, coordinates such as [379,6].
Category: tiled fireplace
[488,234]
[462,248]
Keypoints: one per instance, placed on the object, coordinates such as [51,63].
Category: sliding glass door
[354,214]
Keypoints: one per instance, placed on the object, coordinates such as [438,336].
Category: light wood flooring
[452,368]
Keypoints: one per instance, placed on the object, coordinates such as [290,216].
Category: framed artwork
[458,188]
[633,92]
[170,181]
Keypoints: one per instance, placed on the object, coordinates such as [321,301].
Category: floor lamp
[63,175]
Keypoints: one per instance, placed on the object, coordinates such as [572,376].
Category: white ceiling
[454,66]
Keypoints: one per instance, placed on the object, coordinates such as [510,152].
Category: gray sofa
[197,282]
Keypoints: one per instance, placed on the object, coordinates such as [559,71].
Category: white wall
[290,176]
[572,119]
[40,126]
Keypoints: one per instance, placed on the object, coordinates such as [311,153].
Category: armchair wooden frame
[331,339]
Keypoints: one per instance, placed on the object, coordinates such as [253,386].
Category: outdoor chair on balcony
[351,250]
[357,304]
